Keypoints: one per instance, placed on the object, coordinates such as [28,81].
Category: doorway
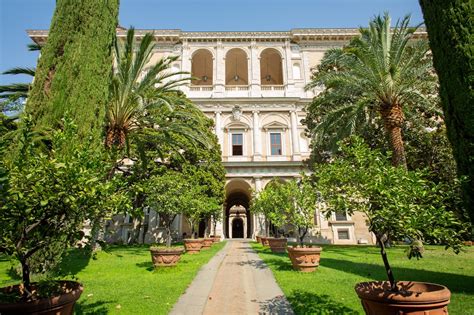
[237,228]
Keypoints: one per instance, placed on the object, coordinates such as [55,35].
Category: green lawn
[330,290]
[121,280]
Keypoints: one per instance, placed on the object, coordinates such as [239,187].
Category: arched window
[236,68]
[296,71]
[271,72]
[201,67]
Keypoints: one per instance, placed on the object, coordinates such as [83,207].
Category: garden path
[235,281]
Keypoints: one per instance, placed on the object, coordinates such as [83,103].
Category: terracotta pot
[277,245]
[258,239]
[193,246]
[264,241]
[166,257]
[207,243]
[56,305]
[305,259]
[413,298]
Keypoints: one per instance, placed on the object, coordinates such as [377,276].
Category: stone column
[219,84]
[218,129]
[257,141]
[295,138]
[254,74]
[185,63]
[290,83]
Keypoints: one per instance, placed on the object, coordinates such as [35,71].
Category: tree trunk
[25,268]
[393,118]
[450,27]
[168,234]
[388,269]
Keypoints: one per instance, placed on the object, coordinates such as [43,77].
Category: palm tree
[140,91]
[375,77]
[11,93]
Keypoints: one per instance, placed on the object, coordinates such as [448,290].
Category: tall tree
[138,87]
[378,73]
[450,26]
[75,66]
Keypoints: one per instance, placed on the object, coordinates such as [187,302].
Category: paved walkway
[235,281]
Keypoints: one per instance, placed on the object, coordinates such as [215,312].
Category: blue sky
[196,15]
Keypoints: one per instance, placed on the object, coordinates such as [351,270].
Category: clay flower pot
[57,305]
[264,241]
[193,246]
[207,243]
[305,259]
[258,239]
[215,238]
[413,298]
[165,257]
[277,245]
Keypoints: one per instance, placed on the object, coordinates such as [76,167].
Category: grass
[330,289]
[122,280]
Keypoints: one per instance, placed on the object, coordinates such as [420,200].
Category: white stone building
[252,85]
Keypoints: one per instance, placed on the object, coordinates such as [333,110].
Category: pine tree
[450,25]
[74,70]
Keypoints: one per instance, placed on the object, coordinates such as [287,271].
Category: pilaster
[257,137]
[295,139]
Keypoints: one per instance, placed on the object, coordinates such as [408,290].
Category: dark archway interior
[238,228]
[238,198]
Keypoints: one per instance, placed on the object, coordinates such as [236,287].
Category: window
[237,144]
[343,234]
[341,216]
[275,143]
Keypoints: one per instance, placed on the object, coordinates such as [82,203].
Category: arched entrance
[237,215]
[237,228]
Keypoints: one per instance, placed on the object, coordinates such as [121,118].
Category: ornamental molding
[297,35]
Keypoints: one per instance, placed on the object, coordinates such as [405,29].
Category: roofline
[174,36]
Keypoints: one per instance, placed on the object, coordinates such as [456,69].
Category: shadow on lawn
[99,307]
[455,282]
[304,302]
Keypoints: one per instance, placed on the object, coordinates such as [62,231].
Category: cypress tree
[450,26]
[74,70]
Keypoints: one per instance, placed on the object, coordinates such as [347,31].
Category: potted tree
[261,204]
[195,210]
[212,211]
[215,218]
[300,210]
[269,202]
[164,195]
[45,199]
[399,205]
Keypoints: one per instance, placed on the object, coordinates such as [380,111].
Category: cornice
[296,35]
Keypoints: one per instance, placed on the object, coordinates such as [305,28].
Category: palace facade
[252,84]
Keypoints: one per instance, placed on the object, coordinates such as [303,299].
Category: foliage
[270,202]
[138,88]
[372,81]
[450,27]
[398,204]
[48,196]
[173,148]
[300,208]
[74,69]
[168,195]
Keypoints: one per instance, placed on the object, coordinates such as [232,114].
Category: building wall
[255,109]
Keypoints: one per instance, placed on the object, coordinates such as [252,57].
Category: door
[237,228]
